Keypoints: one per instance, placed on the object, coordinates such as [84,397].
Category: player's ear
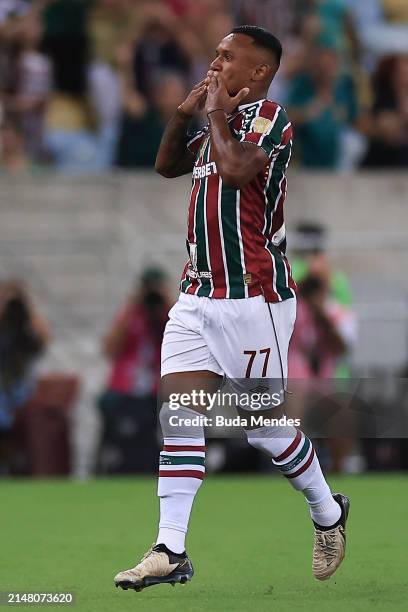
[260,72]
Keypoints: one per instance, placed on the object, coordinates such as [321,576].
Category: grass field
[250,542]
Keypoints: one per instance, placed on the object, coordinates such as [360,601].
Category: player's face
[236,59]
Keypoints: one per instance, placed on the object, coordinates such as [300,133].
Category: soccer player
[237,305]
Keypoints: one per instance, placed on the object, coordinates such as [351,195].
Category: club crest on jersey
[262,125]
[200,172]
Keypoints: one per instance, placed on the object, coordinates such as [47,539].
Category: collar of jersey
[242,106]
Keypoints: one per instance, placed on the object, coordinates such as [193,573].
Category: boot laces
[326,543]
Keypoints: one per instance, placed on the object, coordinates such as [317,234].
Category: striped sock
[298,461]
[182,469]
[293,454]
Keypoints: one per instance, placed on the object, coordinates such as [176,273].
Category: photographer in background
[324,332]
[128,404]
[23,337]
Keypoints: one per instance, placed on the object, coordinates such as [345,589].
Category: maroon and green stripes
[230,209]
[182,461]
[201,232]
[201,238]
[281,284]
[297,458]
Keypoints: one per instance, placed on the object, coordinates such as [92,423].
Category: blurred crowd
[87,85]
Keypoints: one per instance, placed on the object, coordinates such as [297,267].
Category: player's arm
[237,162]
[173,157]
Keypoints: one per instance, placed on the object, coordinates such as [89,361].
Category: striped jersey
[236,237]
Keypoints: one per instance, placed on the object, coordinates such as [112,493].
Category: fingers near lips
[202,86]
[201,90]
[212,74]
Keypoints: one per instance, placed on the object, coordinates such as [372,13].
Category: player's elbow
[235,172]
[163,170]
[228,173]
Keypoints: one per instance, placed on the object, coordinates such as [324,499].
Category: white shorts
[244,338]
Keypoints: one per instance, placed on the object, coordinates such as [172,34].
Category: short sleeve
[270,129]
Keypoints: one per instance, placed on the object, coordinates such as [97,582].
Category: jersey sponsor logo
[200,172]
[262,125]
[198,274]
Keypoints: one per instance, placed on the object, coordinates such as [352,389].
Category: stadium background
[85,90]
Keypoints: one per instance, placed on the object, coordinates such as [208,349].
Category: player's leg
[293,454]
[255,346]
[181,473]
[182,460]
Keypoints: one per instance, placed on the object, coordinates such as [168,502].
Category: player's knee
[180,423]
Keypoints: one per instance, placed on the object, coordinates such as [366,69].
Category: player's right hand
[195,101]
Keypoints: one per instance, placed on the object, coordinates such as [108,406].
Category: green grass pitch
[250,542]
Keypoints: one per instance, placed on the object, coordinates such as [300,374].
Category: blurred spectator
[202,24]
[310,258]
[23,336]
[13,8]
[323,106]
[66,43]
[389,140]
[69,137]
[278,16]
[134,340]
[133,345]
[143,124]
[109,24]
[106,104]
[382,27]
[396,11]
[26,82]
[324,331]
[157,48]
[13,159]
[179,7]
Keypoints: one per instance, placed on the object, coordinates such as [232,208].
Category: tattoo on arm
[173,158]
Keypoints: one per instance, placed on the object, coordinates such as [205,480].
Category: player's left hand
[218,96]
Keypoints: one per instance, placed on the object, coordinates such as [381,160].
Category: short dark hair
[262,38]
